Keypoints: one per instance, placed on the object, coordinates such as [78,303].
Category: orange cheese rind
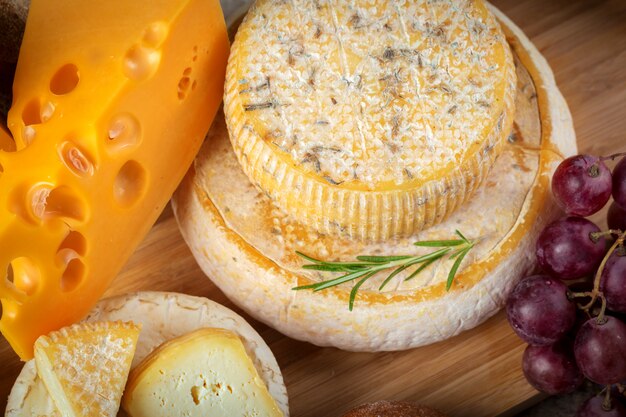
[386,155]
[163,316]
[247,249]
[111,103]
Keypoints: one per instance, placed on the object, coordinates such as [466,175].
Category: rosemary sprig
[366,267]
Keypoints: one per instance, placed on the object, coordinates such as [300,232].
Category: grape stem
[595,293]
[612,157]
[595,236]
[606,404]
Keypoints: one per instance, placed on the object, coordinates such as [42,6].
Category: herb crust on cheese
[372,119]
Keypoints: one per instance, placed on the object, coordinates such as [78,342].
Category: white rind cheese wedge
[247,247]
[206,372]
[373,119]
[163,316]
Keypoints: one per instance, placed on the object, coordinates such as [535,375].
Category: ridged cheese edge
[371,216]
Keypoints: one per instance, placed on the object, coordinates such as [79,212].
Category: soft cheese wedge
[163,317]
[85,366]
[372,119]
[247,245]
[111,102]
[204,373]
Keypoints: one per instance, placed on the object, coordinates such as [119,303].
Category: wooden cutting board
[477,373]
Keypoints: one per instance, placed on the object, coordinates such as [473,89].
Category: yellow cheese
[84,367]
[204,373]
[373,119]
[111,102]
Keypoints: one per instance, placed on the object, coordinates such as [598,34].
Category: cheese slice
[369,119]
[163,317]
[204,373]
[84,367]
[111,102]
[247,245]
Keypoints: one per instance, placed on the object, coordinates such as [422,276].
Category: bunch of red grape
[577,329]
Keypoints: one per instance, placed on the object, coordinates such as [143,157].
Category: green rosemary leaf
[308,258]
[393,274]
[455,267]
[459,234]
[382,259]
[340,280]
[355,289]
[431,256]
[420,269]
[306,287]
[439,243]
[334,268]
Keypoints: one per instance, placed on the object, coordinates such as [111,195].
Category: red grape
[616,217]
[551,369]
[582,185]
[539,311]
[565,249]
[619,183]
[593,408]
[613,280]
[600,350]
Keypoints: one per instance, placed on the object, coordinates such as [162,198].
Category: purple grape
[565,249]
[593,407]
[539,311]
[616,217]
[581,185]
[600,350]
[613,280]
[619,183]
[552,369]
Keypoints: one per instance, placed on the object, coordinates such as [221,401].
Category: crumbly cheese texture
[204,373]
[85,366]
[369,109]
[111,102]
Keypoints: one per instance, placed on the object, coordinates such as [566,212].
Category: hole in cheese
[47,111]
[24,274]
[130,183]
[140,62]
[183,87]
[8,308]
[63,202]
[76,159]
[28,134]
[31,115]
[65,80]
[73,275]
[75,242]
[124,131]
[155,34]
[7,144]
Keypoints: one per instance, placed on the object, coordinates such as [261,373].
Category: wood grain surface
[477,373]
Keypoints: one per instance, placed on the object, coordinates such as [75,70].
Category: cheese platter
[480,368]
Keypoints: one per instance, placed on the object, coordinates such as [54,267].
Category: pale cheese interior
[205,373]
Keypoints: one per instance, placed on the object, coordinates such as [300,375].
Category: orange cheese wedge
[111,102]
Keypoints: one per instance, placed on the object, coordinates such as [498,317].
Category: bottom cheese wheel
[248,247]
[163,316]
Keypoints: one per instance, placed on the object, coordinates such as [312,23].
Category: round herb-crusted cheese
[247,245]
[372,118]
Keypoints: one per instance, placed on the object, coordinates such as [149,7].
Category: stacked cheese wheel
[359,130]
